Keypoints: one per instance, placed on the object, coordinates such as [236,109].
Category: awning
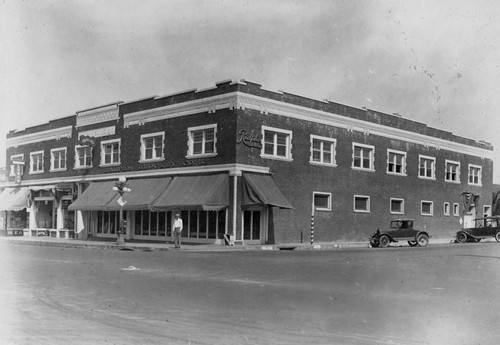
[101,196]
[13,199]
[262,190]
[95,197]
[206,192]
[144,192]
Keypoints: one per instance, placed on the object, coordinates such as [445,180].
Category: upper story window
[322,150]
[475,172]
[16,158]
[363,156]
[202,141]
[452,171]
[83,157]
[396,162]
[58,159]
[426,167]
[152,146]
[277,143]
[36,162]
[110,152]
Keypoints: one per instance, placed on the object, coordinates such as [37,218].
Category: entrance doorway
[45,214]
[254,226]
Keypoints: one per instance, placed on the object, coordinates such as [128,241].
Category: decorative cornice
[99,132]
[266,106]
[209,105]
[91,117]
[51,134]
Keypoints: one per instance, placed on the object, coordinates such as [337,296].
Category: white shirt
[178,223]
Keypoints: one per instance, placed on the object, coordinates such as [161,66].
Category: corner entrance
[254,225]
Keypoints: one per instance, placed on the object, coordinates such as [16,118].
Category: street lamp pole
[121,187]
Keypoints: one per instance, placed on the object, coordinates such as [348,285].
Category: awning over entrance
[101,196]
[262,190]
[206,192]
[144,192]
[13,199]
[95,197]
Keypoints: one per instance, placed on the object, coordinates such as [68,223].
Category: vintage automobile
[485,228]
[400,230]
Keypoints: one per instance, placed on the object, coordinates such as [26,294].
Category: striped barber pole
[312,228]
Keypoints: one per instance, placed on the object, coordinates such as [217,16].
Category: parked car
[485,228]
[400,230]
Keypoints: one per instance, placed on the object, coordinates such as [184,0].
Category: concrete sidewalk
[187,246]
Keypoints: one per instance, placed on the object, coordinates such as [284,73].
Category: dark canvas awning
[262,190]
[144,192]
[206,192]
[13,199]
[101,196]
[95,197]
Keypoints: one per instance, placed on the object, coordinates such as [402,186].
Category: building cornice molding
[94,116]
[51,134]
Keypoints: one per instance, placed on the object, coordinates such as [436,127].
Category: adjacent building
[244,164]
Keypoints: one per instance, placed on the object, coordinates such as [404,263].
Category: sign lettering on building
[251,139]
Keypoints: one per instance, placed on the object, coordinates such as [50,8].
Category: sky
[436,62]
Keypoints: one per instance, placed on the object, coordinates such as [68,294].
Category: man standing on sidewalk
[178,225]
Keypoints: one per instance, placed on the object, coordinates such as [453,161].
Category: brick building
[240,160]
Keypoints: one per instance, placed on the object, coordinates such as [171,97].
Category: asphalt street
[443,294]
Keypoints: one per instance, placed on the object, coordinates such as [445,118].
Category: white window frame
[403,162]
[432,208]
[479,176]
[53,161]
[433,171]
[402,206]
[447,164]
[329,206]
[15,158]
[368,206]
[107,142]
[191,130]
[333,147]
[32,171]
[143,147]
[456,209]
[446,209]
[289,137]
[77,157]
[371,157]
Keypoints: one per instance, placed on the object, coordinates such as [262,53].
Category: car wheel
[422,240]
[412,243]
[384,241]
[461,237]
[497,236]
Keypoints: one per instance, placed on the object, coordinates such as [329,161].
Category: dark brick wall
[298,180]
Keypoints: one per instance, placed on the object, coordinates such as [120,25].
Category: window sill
[427,178]
[35,172]
[206,155]
[57,170]
[455,182]
[153,160]
[83,167]
[109,165]
[329,165]
[361,211]
[363,169]
[396,174]
[278,158]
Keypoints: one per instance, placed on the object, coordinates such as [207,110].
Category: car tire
[412,243]
[461,237]
[422,240]
[497,236]
[384,241]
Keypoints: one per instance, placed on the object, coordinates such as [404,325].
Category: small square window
[427,208]
[322,201]
[397,206]
[361,203]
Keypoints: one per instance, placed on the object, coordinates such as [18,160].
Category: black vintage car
[485,228]
[400,230]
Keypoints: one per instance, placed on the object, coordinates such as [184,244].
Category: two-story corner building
[240,160]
